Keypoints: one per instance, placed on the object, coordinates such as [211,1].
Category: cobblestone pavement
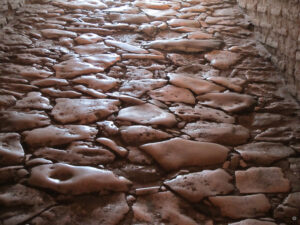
[143,112]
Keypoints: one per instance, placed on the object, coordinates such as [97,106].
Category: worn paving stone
[222,59]
[247,206]
[222,133]
[264,153]
[76,180]
[34,100]
[262,180]
[83,110]
[109,210]
[196,186]
[171,156]
[147,114]
[253,222]
[11,150]
[88,38]
[54,33]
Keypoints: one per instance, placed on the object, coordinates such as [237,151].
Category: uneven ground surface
[143,112]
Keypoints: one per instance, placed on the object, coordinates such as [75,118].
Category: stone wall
[277,23]
[8,9]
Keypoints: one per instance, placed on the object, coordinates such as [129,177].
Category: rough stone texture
[277,23]
[8,9]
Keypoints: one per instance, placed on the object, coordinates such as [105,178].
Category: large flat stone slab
[88,210]
[176,153]
[34,100]
[196,186]
[98,82]
[236,207]
[222,133]
[222,59]
[76,180]
[230,102]
[11,150]
[262,180]
[185,45]
[83,110]
[55,33]
[58,135]
[147,114]
[264,153]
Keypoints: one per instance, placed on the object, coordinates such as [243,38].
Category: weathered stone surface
[176,153]
[54,33]
[142,134]
[98,82]
[16,39]
[108,210]
[7,100]
[92,49]
[137,156]
[137,88]
[232,83]
[293,200]
[275,134]
[165,207]
[19,121]
[78,153]
[222,133]
[159,13]
[183,23]
[58,135]
[253,222]
[21,203]
[83,110]
[88,38]
[147,114]
[196,186]
[236,207]
[121,151]
[34,100]
[126,47]
[261,180]
[76,180]
[11,150]
[171,93]
[185,45]
[264,153]
[189,113]
[81,4]
[230,102]
[129,18]
[48,82]
[197,85]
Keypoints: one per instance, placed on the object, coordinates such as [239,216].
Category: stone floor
[143,112]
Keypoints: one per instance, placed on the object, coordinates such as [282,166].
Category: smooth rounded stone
[196,186]
[126,98]
[83,110]
[176,153]
[183,23]
[293,200]
[266,119]
[32,72]
[222,133]
[148,29]
[275,134]
[262,180]
[230,102]
[184,45]
[19,121]
[137,88]
[78,153]
[157,13]
[11,150]
[108,128]
[171,93]
[156,4]
[129,18]
[88,210]
[227,12]
[34,100]
[222,59]
[143,56]
[89,49]
[199,35]
[88,38]
[58,135]
[97,82]
[37,161]
[139,134]
[147,114]
[197,85]
[134,73]
[199,8]
[264,153]
[165,208]
[137,156]
[48,82]
[20,203]
[75,67]
[121,151]
[57,93]
[253,222]
[123,9]
[54,33]
[76,180]
[232,83]
[126,47]
[184,29]
[15,39]
[89,91]
[237,207]
[7,100]
[198,112]
[81,4]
